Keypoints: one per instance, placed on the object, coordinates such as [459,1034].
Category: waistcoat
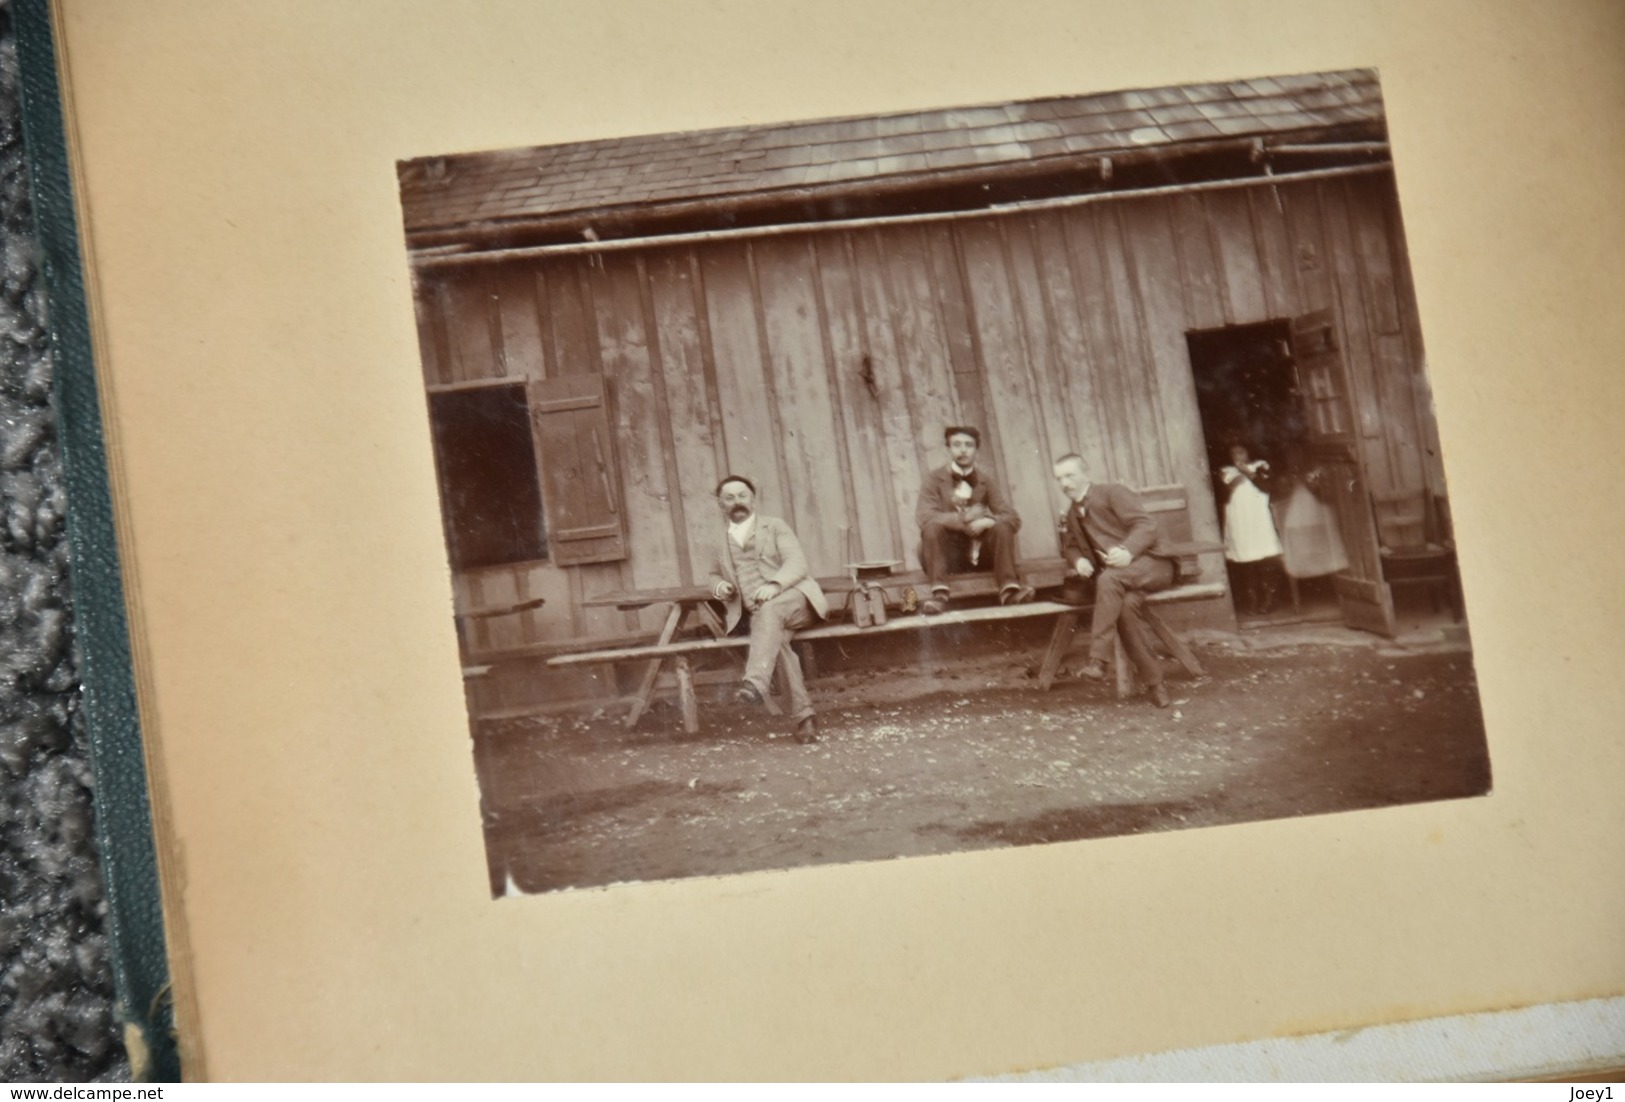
[748,566]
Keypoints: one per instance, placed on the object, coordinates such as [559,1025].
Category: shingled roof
[520,184]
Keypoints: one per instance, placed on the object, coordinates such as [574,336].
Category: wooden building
[609,327]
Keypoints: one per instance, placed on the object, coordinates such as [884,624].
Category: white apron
[1249,529]
[1312,541]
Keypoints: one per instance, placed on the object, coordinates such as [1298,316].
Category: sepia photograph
[889,486]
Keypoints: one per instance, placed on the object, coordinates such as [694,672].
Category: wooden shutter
[1365,599]
[581,488]
[1322,381]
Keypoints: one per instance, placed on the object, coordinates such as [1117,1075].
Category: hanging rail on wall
[494,256]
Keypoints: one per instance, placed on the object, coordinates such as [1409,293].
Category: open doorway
[1247,396]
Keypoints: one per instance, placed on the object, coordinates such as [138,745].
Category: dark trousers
[944,551]
[1254,584]
[1119,608]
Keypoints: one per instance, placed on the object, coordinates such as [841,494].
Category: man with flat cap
[759,570]
[965,519]
[1108,535]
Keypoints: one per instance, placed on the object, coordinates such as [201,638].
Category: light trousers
[770,629]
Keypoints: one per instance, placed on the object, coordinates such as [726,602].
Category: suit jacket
[1113,517]
[782,559]
[937,499]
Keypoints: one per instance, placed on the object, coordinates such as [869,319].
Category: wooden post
[1059,639]
[708,616]
[646,687]
[1176,646]
[809,662]
[685,694]
[1127,683]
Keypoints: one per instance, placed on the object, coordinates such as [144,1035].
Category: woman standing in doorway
[1251,545]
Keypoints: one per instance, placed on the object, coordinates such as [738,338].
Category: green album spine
[123,810]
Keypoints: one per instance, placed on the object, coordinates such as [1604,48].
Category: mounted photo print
[865,488]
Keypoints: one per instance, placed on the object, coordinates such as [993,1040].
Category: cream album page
[492,388]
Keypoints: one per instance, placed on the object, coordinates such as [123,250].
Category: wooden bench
[1416,546]
[679,651]
[473,671]
[1167,503]
[1069,618]
[1073,617]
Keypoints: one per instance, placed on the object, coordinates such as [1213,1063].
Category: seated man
[1107,525]
[965,519]
[759,568]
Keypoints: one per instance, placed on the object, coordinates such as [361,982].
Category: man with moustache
[964,519]
[760,571]
[1108,535]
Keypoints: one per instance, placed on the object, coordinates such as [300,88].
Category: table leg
[1127,682]
[708,616]
[809,664]
[640,702]
[787,672]
[1176,646]
[685,694]
[1059,639]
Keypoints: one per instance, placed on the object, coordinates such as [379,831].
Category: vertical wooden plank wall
[825,365]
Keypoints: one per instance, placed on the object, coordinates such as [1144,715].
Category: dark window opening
[491,497]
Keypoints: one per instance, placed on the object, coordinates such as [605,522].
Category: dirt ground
[1292,721]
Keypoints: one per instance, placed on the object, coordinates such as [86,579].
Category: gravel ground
[1286,722]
